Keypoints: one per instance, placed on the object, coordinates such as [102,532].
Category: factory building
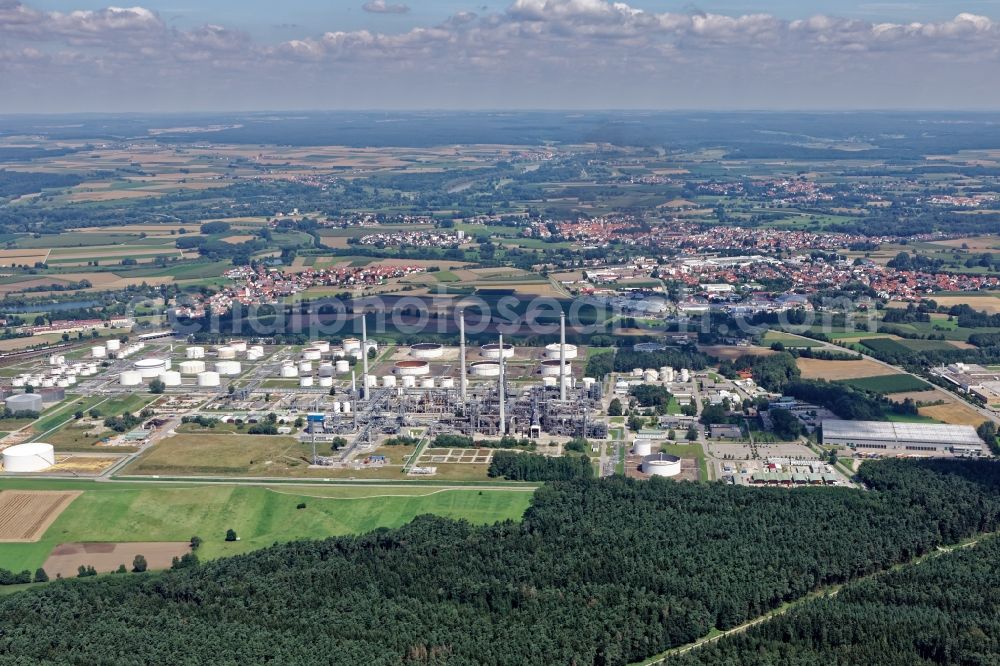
[876,436]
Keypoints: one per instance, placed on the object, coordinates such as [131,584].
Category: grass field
[890,346]
[900,383]
[789,340]
[261,516]
[833,370]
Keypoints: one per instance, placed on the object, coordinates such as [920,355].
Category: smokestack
[364,357]
[354,381]
[562,356]
[503,413]
[461,345]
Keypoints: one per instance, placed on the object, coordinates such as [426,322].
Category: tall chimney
[462,381]
[503,413]
[364,357]
[562,356]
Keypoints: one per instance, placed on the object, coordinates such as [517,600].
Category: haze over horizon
[78,55]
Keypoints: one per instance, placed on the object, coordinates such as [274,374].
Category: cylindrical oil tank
[485,369]
[588,382]
[661,464]
[551,368]
[192,367]
[71,379]
[228,368]
[373,381]
[31,457]
[352,345]
[322,345]
[18,382]
[552,351]
[171,378]
[409,381]
[130,378]
[427,383]
[113,345]
[550,382]
[447,382]
[325,370]
[57,359]
[62,383]
[388,381]
[225,353]
[24,402]
[426,350]
[99,351]
[336,407]
[685,376]
[326,382]
[412,368]
[306,382]
[254,354]
[195,352]
[239,346]
[209,379]
[347,408]
[642,447]
[257,349]
[342,366]
[337,352]
[151,367]
[637,372]
[48,383]
[650,376]
[311,354]
[288,371]
[493,351]
[305,366]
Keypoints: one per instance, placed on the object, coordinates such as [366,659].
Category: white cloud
[383,7]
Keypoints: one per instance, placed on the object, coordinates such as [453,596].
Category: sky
[181,55]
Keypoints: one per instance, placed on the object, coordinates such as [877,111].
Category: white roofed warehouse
[876,436]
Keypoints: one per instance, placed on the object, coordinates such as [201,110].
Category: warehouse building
[876,436]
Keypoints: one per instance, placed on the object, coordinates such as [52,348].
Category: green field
[260,515]
[901,383]
[789,340]
[890,346]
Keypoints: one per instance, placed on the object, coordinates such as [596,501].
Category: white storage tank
[192,367]
[650,376]
[113,345]
[409,381]
[493,351]
[388,381]
[551,368]
[667,374]
[62,383]
[336,407]
[685,376]
[57,359]
[305,366]
[326,382]
[305,382]
[342,366]
[288,371]
[550,382]
[322,345]
[642,447]
[426,350]
[311,354]
[99,351]
[412,368]
[352,345]
[661,464]
[24,402]
[130,378]
[228,368]
[226,353]
[448,382]
[347,408]
[588,382]
[552,351]
[171,378]
[71,379]
[427,383]
[337,352]
[326,370]
[485,369]
[373,381]
[255,354]
[31,457]
[48,383]
[152,367]
[239,346]
[18,382]
[195,352]
[209,379]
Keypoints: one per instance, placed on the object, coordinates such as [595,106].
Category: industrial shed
[899,437]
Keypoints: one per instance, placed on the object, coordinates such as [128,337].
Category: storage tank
[195,352]
[254,354]
[347,408]
[130,378]
[336,407]
[209,379]
[151,367]
[71,379]
[257,349]
[228,368]
[288,371]
[113,345]
[485,369]
[448,382]
[650,376]
[373,381]
[550,382]
[192,367]
[325,370]
[352,345]
[551,368]
[31,457]
[661,464]
[343,366]
[18,382]
[337,352]
[552,351]
[305,366]
[685,376]
[493,351]
[305,382]
[311,354]
[99,351]
[62,383]
[171,378]
[239,346]
[412,368]
[226,353]
[642,447]
[24,402]
[48,383]
[326,382]
[637,372]
[427,383]
[322,345]
[57,359]
[409,381]
[388,381]
[667,374]
[588,382]
[426,350]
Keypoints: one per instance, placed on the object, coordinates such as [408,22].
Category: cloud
[383,7]
[562,52]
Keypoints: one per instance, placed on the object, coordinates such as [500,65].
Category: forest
[602,572]
[943,611]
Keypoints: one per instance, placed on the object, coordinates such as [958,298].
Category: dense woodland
[598,572]
[945,611]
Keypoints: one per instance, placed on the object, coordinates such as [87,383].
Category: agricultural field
[812,368]
[26,514]
[261,516]
[898,383]
[905,346]
[788,340]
